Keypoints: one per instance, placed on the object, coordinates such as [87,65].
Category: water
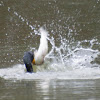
[71,70]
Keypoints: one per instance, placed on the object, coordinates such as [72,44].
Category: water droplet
[9,9]
[12,60]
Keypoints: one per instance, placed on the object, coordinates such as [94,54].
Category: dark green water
[74,38]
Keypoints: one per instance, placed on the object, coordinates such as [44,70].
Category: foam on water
[17,72]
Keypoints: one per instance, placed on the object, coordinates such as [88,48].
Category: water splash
[67,61]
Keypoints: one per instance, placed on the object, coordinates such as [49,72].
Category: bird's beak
[33,61]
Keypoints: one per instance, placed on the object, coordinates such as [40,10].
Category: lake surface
[71,70]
